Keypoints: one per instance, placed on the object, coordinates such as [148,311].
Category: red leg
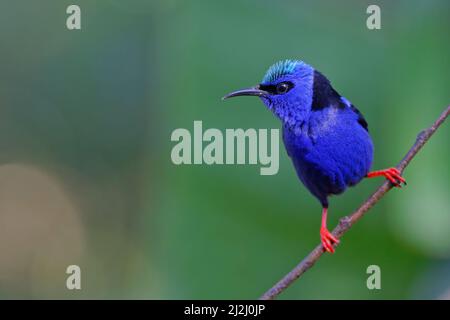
[392,174]
[328,239]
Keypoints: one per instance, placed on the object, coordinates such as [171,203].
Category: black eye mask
[279,88]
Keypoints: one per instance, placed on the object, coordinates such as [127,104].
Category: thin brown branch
[347,222]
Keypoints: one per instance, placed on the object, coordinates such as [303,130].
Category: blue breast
[330,150]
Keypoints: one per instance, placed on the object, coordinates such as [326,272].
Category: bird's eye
[283,87]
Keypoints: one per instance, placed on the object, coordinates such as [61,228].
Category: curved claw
[392,174]
[328,240]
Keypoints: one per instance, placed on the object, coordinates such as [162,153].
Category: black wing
[361,119]
[324,96]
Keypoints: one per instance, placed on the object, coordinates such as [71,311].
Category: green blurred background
[86,176]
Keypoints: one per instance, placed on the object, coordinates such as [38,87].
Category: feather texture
[325,136]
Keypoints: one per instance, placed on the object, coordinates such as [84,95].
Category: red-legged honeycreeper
[326,137]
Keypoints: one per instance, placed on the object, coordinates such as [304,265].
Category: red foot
[328,240]
[392,174]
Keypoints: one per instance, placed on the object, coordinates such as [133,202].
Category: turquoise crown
[279,69]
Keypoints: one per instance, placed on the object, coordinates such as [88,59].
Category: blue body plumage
[326,137]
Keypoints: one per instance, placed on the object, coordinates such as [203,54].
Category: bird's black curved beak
[254,91]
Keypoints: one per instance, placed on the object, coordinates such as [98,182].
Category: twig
[347,222]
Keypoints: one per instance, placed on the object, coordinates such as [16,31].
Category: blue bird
[326,137]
